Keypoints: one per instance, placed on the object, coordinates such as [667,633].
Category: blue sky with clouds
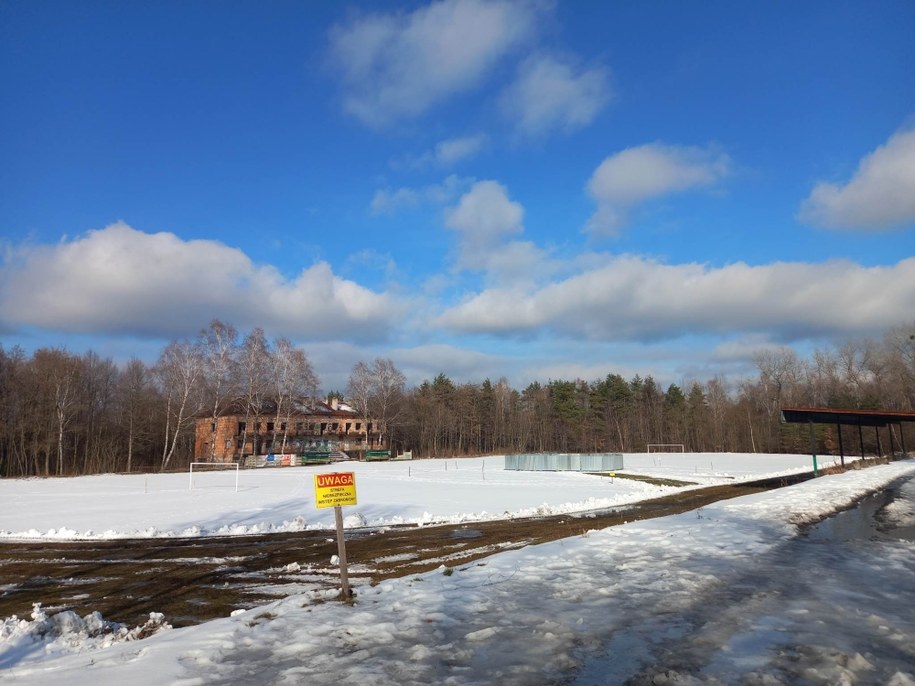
[531,189]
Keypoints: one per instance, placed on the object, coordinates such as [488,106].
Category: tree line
[64,414]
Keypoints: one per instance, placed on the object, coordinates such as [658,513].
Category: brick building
[312,426]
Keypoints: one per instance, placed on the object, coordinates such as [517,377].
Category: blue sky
[531,189]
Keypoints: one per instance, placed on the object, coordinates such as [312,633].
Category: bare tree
[388,392]
[254,369]
[294,379]
[780,373]
[179,371]
[219,348]
[376,392]
[97,401]
[359,393]
[133,394]
[899,345]
[56,375]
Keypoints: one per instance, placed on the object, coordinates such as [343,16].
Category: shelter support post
[813,447]
[841,445]
[840,416]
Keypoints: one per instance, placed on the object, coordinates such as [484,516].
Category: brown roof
[833,415]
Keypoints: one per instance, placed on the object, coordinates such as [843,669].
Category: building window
[358,426]
[348,427]
[213,427]
[269,426]
[241,428]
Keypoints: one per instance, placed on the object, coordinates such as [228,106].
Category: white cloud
[400,65]
[518,263]
[880,195]
[486,219]
[449,152]
[445,154]
[743,348]
[631,298]
[427,361]
[642,173]
[550,94]
[483,217]
[119,280]
[387,201]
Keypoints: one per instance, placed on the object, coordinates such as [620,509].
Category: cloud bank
[119,280]
[636,299]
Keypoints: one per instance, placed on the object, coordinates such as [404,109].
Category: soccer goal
[209,467]
[666,448]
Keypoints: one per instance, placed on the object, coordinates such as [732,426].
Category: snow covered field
[729,594]
[282,499]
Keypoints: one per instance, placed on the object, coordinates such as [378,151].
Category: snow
[728,594]
[282,499]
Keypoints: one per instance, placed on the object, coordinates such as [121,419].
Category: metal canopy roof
[824,415]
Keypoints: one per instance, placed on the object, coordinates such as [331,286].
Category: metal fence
[564,462]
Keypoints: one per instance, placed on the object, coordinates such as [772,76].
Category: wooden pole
[341,554]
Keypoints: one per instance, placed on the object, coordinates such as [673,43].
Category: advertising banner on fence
[333,490]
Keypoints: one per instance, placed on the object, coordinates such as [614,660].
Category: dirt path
[194,580]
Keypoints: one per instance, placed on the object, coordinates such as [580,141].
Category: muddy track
[194,580]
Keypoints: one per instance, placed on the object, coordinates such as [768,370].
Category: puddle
[466,533]
[864,521]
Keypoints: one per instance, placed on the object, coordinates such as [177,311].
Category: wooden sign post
[336,490]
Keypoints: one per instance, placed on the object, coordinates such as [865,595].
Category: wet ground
[829,606]
[194,580]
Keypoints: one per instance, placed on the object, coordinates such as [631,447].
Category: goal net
[666,448]
[202,474]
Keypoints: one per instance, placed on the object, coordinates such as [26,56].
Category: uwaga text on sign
[334,490]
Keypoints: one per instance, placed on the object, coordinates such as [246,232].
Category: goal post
[214,467]
[666,448]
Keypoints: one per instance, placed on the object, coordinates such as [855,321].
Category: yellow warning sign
[333,490]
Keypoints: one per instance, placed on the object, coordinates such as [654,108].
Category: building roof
[304,407]
[828,415]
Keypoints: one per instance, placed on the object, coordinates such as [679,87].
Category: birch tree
[388,392]
[294,379]
[179,372]
[255,372]
[219,349]
[359,393]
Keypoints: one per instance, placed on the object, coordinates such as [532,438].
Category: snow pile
[901,512]
[66,632]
